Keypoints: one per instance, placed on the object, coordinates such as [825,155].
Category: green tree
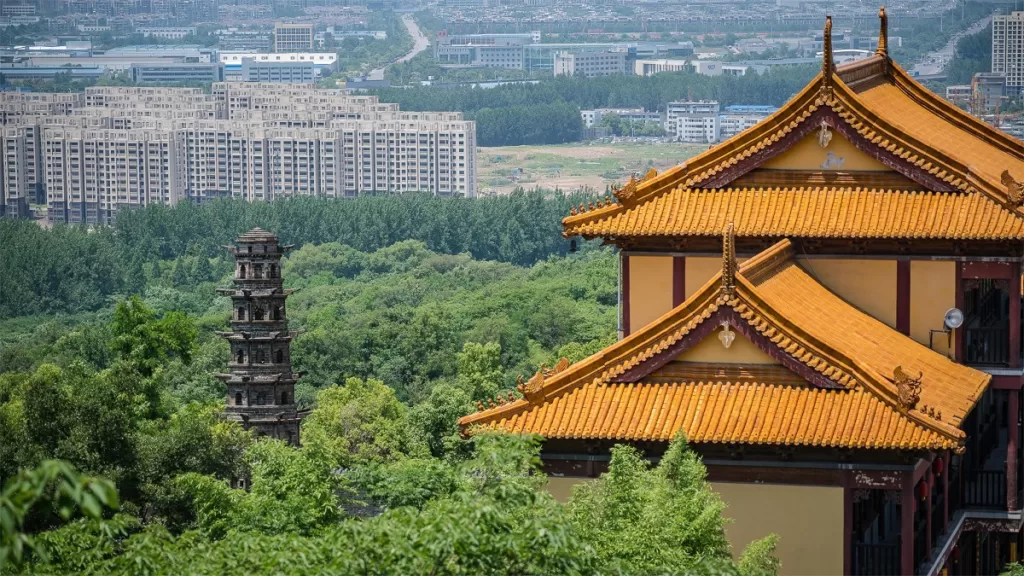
[479,369]
[359,423]
[656,521]
[147,341]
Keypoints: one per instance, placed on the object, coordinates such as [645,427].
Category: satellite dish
[954,318]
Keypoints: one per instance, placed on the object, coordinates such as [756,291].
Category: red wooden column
[958,334]
[945,489]
[929,481]
[847,481]
[1011,448]
[1014,295]
[903,296]
[678,280]
[624,291]
[907,525]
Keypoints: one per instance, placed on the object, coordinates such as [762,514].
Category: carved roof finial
[826,53]
[883,32]
[728,260]
[908,388]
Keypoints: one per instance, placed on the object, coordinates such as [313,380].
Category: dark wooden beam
[989,270]
[624,300]
[678,280]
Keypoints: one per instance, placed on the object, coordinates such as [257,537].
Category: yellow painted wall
[807,154]
[807,519]
[650,289]
[700,269]
[710,349]
[561,486]
[932,292]
[867,284]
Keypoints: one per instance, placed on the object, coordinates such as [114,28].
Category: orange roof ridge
[806,324]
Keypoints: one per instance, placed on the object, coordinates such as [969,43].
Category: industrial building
[278,72]
[590,64]
[176,73]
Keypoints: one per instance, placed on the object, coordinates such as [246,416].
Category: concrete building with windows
[323,62]
[1008,47]
[691,121]
[278,72]
[166,32]
[737,118]
[590,64]
[90,155]
[176,73]
[293,37]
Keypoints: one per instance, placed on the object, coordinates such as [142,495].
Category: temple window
[240,357]
[284,397]
[261,399]
[241,312]
[273,271]
[261,357]
[238,398]
[279,357]
[257,270]
[241,271]
[258,313]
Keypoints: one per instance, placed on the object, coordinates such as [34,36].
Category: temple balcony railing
[875,559]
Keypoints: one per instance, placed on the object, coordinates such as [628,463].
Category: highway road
[934,62]
[420,43]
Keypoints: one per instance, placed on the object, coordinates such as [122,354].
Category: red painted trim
[1007,382]
[958,334]
[1014,297]
[829,117]
[624,257]
[678,280]
[1013,405]
[945,490]
[922,467]
[903,296]
[705,329]
[907,526]
[989,270]
[929,481]
[847,481]
[877,479]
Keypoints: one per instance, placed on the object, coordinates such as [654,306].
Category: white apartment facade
[695,122]
[127,147]
[1008,47]
[590,64]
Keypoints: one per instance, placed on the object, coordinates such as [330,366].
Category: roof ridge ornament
[728,261]
[883,33]
[827,66]
[1014,189]
[626,192]
[908,388]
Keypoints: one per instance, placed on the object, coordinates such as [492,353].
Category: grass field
[574,166]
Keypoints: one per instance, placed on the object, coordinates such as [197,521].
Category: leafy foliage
[52,482]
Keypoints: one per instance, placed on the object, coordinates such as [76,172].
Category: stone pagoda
[260,384]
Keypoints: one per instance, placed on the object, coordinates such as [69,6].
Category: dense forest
[114,459]
[547,112]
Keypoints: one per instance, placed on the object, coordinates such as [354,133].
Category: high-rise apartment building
[122,147]
[1008,47]
[293,37]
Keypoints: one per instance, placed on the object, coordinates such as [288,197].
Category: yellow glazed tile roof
[723,412]
[894,116]
[818,212]
[809,327]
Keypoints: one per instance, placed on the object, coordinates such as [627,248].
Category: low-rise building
[693,121]
[737,118]
[590,64]
[293,37]
[166,32]
[176,73]
[323,62]
[278,72]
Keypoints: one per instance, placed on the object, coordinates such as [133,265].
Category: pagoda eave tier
[239,380]
[277,336]
[255,292]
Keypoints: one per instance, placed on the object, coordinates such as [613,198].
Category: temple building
[828,305]
[260,384]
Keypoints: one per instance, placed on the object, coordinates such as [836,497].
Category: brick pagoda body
[260,382]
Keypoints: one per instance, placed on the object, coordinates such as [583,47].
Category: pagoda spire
[883,33]
[827,65]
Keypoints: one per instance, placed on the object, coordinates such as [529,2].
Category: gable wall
[839,155]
